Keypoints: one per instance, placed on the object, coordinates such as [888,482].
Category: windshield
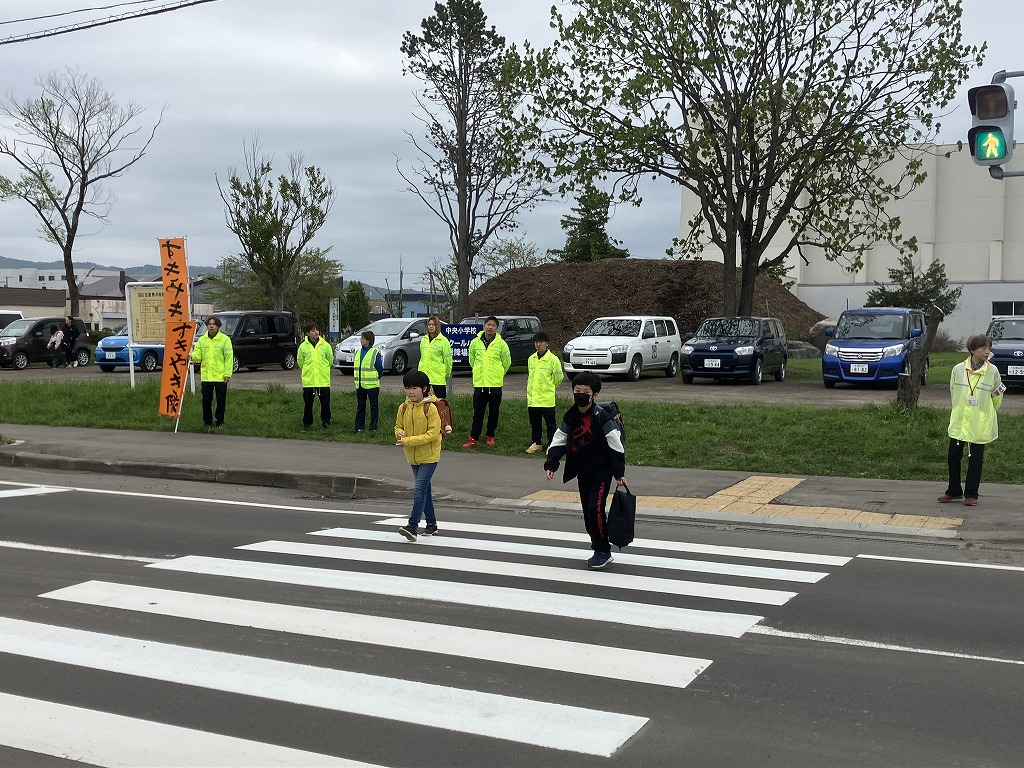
[230,323]
[390,327]
[613,326]
[1007,330]
[17,328]
[729,327]
[869,326]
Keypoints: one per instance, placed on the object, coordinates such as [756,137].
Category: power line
[102,22]
[79,10]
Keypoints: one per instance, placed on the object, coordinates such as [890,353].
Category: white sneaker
[74,364]
[534,447]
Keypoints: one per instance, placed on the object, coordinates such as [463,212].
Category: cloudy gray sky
[322,77]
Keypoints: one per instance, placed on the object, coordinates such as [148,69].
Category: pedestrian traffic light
[991,137]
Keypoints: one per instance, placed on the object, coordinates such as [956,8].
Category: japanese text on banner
[180,330]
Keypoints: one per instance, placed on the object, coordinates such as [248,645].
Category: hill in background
[568,296]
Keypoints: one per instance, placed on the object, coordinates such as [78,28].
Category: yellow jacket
[436,358]
[544,377]
[315,362]
[422,426]
[489,362]
[974,423]
[215,357]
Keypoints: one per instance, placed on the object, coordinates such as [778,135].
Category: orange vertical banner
[180,331]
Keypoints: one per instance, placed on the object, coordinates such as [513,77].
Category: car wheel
[107,368]
[829,384]
[635,366]
[399,364]
[149,362]
[687,378]
[83,357]
[673,367]
[20,361]
[289,361]
[780,375]
[234,366]
[758,372]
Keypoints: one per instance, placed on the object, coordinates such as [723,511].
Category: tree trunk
[69,276]
[908,390]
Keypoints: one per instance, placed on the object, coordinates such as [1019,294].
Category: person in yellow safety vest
[490,359]
[436,357]
[315,357]
[976,391]
[545,374]
[366,371]
[216,358]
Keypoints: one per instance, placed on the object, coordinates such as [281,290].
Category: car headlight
[383,345]
[567,349]
[8,341]
[618,349]
[831,349]
[895,349]
[741,351]
[687,349]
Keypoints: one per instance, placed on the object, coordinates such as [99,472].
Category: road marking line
[557,726]
[653,561]
[670,546]
[503,598]
[605,579]
[991,566]
[116,741]
[41,490]
[506,648]
[76,552]
[763,630]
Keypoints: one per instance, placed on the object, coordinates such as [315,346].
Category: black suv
[735,348]
[1007,334]
[260,337]
[24,341]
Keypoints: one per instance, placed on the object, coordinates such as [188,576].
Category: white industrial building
[961,216]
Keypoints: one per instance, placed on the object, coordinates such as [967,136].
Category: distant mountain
[82,267]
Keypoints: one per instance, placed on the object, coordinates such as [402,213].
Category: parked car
[625,345]
[112,351]
[260,337]
[735,348]
[24,341]
[1007,334]
[397,338]
[8,316]
[516,330]
[872,344]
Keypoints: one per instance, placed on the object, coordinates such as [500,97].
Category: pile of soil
[568,296]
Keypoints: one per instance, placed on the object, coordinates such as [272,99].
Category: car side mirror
[829,332]
[413,335]
[689,335]
[915,333]
[251,332]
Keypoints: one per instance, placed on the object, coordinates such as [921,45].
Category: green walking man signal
[991,137]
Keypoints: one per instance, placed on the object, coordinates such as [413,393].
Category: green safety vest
[215,356]
[436,359]
[365,373]
[315,362]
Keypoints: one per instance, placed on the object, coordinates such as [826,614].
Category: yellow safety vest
[365,374]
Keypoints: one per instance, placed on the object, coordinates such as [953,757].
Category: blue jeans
[422,500]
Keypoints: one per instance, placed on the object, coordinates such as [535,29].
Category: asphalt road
[651,387]
[299,641]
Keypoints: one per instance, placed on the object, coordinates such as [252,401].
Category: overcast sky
[322,77]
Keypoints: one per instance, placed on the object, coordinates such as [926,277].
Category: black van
[735,348]
[260,337]
[24,341]
[516,330]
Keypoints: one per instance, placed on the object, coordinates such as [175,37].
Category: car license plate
[858,367]
[111,355]
[713,362]
[1015,370]
[591,361]
[346,357]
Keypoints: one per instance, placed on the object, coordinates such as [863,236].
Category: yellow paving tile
[838,513]
[943,523]
[553,496]
[742,508]
[910,521]
[873,518]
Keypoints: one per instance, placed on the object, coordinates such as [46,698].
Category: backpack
[443,410]
[611,410]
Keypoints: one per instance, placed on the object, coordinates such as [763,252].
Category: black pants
[536,415]
[593,494]
[440,390]
[362,395]
[324,393]
[975,458]
[208,388]
[489,399]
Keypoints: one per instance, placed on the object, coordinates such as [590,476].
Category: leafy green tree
[470,179]
[586,232]
[357,306]
[779,116]
[74,138]
[916,288]
[275,219]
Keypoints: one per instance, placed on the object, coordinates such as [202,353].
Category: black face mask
[582,399]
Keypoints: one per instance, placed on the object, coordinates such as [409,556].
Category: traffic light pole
[996,171]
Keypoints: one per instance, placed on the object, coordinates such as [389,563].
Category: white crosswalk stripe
[40,490]
[370,566]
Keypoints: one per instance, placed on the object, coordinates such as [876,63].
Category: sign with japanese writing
[460,336]
[180,331]
[145,313]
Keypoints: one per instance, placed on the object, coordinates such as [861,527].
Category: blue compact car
[113,351]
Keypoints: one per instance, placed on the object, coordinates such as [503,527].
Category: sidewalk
[347,470]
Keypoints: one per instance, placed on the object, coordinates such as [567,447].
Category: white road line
[116,741]
[503,598]
[660,544]
[523,650]
[991,566]
[76,552]
[604,579]
[556,726]
[762,630]
[41,490]
[565,553]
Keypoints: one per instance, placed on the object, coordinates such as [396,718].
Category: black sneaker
[408,531]
[599,560]
[430,530]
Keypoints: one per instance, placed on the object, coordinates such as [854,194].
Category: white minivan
[625,345]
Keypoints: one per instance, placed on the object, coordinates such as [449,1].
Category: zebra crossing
[523,579]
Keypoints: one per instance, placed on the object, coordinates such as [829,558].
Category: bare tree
[469,179]
[274,220]
[71,138]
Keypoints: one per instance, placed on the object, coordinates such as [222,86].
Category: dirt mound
[568,296]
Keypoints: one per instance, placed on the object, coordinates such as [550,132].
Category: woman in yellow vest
[315,357]
[366,371]
[436,357]
[216,359]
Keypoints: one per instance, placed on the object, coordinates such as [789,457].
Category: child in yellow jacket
[418,431]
